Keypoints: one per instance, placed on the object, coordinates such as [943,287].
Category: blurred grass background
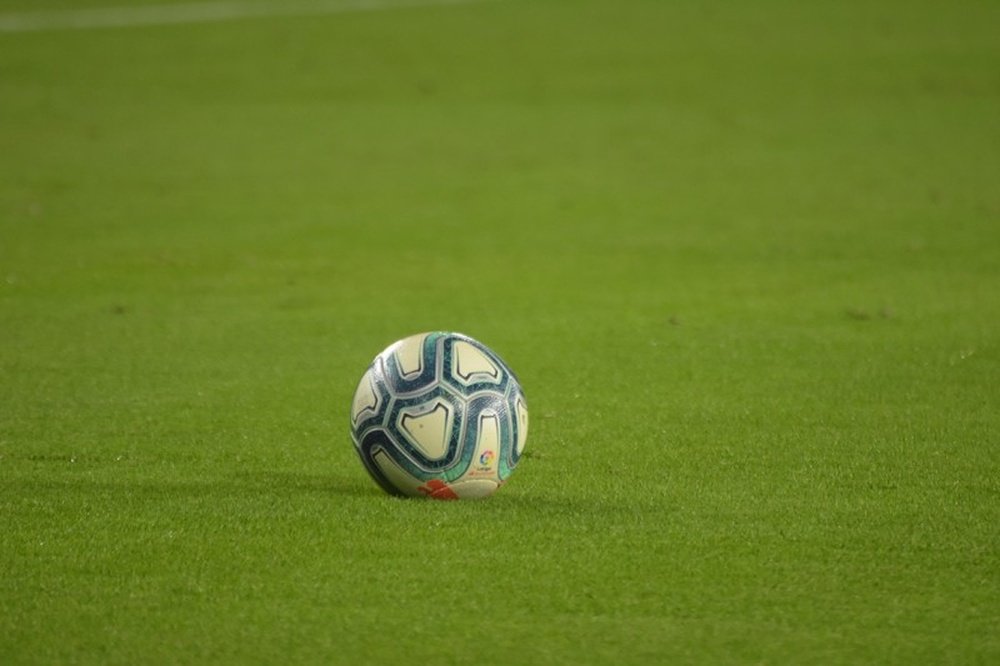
[743,258]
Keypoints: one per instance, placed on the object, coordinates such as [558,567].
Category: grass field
[744,257]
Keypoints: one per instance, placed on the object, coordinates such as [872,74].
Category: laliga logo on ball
[439,415]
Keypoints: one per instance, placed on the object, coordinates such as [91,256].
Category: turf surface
[745,260]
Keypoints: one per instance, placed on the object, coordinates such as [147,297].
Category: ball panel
[371,400]
[409,355]
[471,365]
[400,480]
[375,442]
[428,427]
[466,363]
[485,459]
[410,364]
[437,489]
[416,405]
[365,398]
[474,488]
[521,412]
[488,429]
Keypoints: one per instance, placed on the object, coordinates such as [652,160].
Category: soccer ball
[439,415]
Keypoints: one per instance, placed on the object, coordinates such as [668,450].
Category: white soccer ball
[439,415]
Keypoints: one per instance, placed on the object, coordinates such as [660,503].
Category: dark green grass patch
[744,260]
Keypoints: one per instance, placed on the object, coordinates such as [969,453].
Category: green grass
[744,257]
